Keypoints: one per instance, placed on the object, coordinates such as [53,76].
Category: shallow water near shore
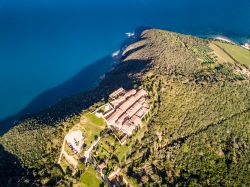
[43,44]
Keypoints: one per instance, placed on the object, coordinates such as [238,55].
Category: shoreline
[225,39]
[116,56]
[245,45]
[106,64]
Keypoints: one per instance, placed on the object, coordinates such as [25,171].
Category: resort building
[128,110]
[75,140]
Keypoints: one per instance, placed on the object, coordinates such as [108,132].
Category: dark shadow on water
[86,79]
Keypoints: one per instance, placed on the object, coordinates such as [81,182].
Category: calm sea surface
[44,43]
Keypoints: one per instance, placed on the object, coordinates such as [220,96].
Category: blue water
[44,43]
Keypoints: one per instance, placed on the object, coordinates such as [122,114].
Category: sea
[50,49]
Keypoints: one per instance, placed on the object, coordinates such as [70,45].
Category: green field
[122,151]
[103,149]
[238,53]
[92,127]
[90,178]
[107,147]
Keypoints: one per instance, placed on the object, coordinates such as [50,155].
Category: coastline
[73,86]
[225,39]
[115,57]
[245,44]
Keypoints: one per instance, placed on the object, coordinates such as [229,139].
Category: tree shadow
[11,171]
[131,51]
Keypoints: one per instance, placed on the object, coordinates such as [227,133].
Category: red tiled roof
[133,109]
[123,118]
[127,104]
[116,93]
[135,120]
[130,93]
[128,128]
[140,113]
[145,105]
[113,118]
[128,111]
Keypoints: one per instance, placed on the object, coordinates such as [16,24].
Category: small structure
[102,166]
[104,110]
[75,140]
[246,46]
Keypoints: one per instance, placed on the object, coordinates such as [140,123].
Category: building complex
[126,110]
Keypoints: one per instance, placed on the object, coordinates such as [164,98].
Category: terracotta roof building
[117,93]
[134,109]
[140,113]
[114,116]
[129,108]
[135,120]
[130,93]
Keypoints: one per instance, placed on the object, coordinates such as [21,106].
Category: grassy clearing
[68,150]
[238,53]
[122,151]
[92,127]
[222,55]
[103,153]
[109,146]
[90,178]
[105,148]
[64,165]
[108,141]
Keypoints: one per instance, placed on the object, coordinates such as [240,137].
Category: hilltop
[197,132]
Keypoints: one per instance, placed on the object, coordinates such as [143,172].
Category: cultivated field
[236,52]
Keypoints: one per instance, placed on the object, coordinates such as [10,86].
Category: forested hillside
[198,133]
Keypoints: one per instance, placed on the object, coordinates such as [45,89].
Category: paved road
[87,152]
[71,160]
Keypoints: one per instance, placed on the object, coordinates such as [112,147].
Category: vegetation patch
[90,178]
[238,53]
[92,126]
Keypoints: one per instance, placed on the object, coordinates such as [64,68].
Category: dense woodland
[197,133]
[200,135]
